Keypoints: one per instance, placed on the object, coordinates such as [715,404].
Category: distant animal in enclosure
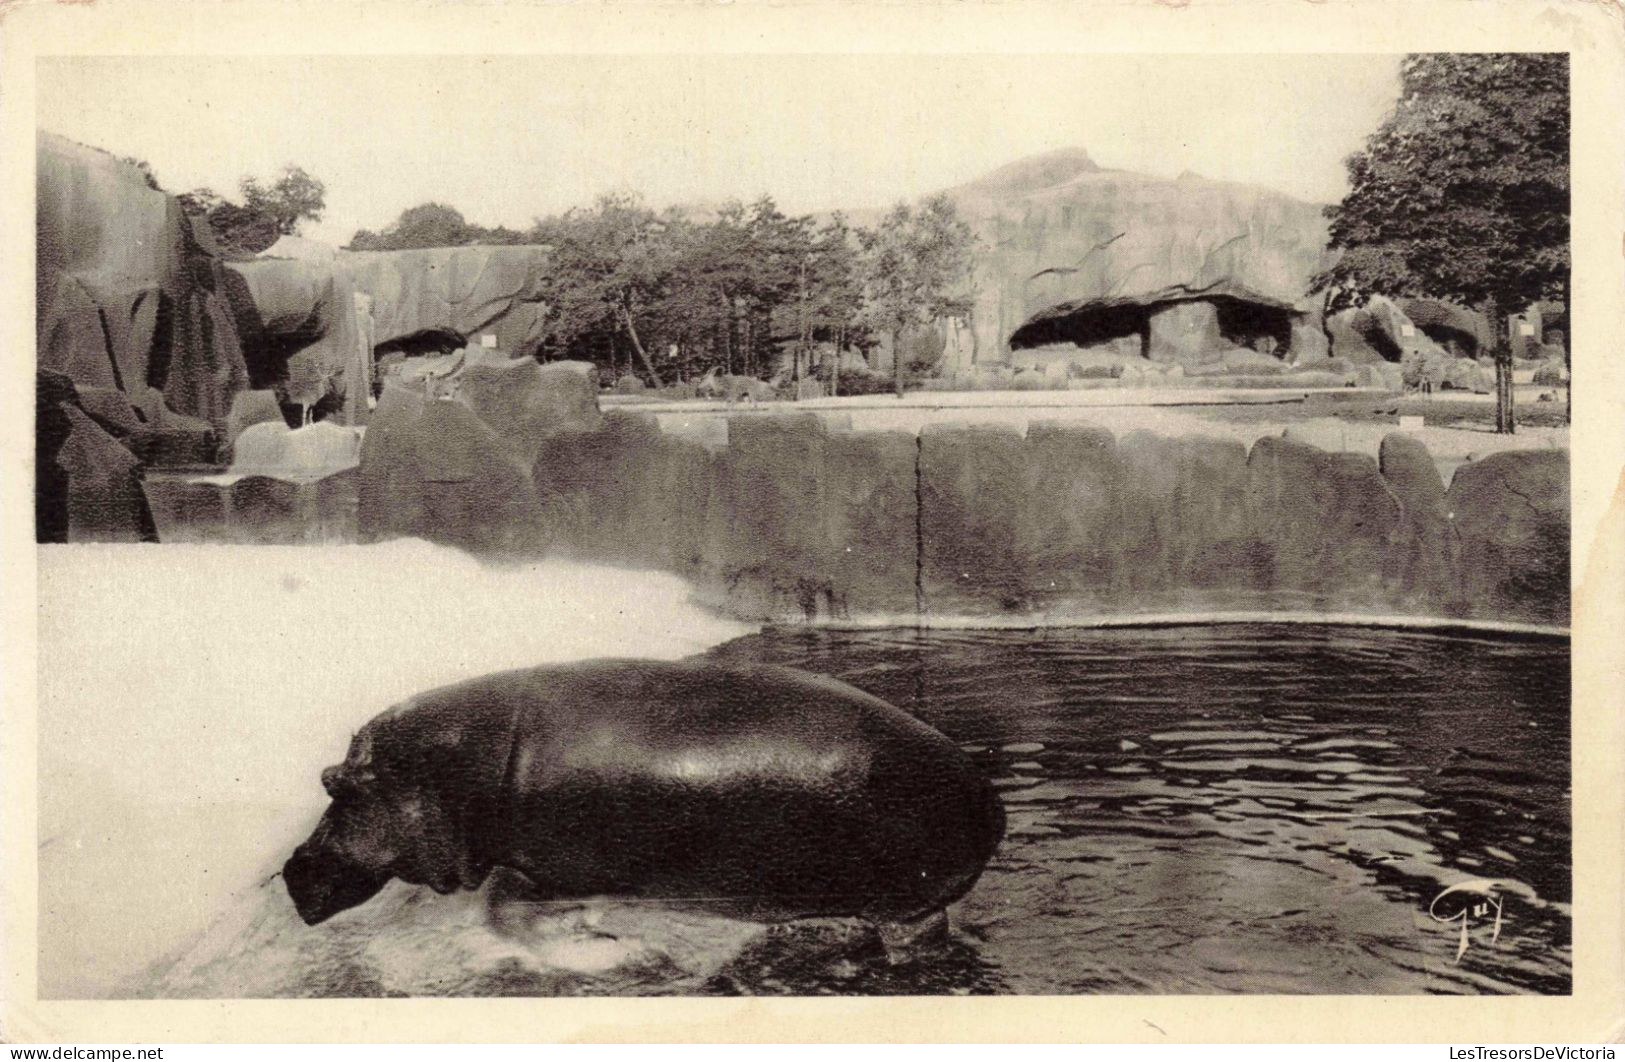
[753,792]
[710,385]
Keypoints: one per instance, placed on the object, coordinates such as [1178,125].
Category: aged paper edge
[1593,33]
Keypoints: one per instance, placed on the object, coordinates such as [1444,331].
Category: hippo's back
[751,789]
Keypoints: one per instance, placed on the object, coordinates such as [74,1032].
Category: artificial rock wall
[314,319]
[1059,227]
[788,519]
[129,296]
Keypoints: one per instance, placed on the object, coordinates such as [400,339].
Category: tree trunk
[727,332]
[1568,356]
[897,361]
[1501,350]
[835,367]
[1503,393]
[643,356]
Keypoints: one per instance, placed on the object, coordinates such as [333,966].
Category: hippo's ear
[345,780]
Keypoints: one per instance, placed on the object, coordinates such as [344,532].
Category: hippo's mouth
[321,885]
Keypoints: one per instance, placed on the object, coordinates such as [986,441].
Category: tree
[199,201]
[710,285]
[1462,193]
[293,197]
[778,249]
[428,225]
[238,230]
[734,280]
[829,292]
[916,268]
[610,265]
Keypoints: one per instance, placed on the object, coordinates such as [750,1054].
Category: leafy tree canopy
[238,230]
[916,267]
[1463,191]
[294,196]
[431,225]
[609,267]
[665,295]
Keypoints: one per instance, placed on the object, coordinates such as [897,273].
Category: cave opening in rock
[426,342]
[1262,327]
[1371,330]
[1228,314]
[1088,327]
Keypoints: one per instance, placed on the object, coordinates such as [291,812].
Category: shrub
[865,383]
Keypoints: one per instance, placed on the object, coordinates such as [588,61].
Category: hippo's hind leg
[907,941]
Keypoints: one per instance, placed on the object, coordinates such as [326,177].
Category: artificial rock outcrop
[795,516]
[284,485]
[87,482]
[130,296]
[458,469]
[315,320]
[792,519]
[1059,227]
[1222,326]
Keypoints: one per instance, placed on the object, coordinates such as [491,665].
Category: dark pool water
[1260,809]
[1263,809]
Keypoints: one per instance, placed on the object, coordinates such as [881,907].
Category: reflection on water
[1232,809]
[1266,809]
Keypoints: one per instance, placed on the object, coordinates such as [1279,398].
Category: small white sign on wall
[488,341]
[1525,328]
[1407,330]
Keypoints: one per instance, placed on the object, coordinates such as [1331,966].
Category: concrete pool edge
[905,621]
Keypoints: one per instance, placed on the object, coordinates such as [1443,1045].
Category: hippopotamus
[749,791]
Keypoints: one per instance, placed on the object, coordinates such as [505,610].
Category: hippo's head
[379,826]
[350,856]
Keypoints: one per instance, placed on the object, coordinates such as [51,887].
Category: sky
[507,139]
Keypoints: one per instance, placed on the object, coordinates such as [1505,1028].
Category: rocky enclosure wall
[787,519]
[1058,226]
[128,297]
[316,311]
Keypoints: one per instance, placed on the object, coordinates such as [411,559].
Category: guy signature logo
[1470,903]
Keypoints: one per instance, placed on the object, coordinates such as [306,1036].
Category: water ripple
[1242,808]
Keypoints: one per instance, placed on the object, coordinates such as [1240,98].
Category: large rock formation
[1214,325]
[1059,227]
[474,290]
[1463,333]
[1426,556]
[527,402]
[284,485]
[789,518]
[434,470]
[129,296]
[1380,331]
[318,318]
[461,469]
[87,483]
[1511,516]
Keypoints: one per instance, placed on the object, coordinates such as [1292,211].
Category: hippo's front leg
[517,907]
